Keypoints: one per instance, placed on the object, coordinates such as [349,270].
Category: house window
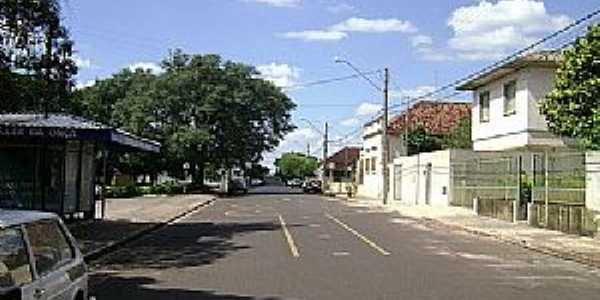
[510,97]
[374,164]
[484,107]
[361,172]
[367,166]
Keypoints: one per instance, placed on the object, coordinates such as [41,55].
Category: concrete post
[515,206]
[476,205]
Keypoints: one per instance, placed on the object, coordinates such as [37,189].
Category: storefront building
[49,163]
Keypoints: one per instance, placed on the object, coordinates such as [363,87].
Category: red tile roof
[437,118]
[345,157]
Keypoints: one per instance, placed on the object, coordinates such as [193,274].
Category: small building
[425,178]
[505,112]
[369,170]
[340,169]
[49,161]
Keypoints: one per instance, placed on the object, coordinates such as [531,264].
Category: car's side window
[15,269]
[49,246]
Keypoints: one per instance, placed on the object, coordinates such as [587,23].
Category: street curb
[113,246]
[564,255]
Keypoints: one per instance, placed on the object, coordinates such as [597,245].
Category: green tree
[419,140]
[460,137]
[257,171]
[296,165]
[202,110]
[36,65]
[572,108]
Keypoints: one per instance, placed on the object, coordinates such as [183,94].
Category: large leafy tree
[36,66]
[572,108]
[295,165]
[203,111]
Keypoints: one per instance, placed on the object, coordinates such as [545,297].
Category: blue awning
[67,127]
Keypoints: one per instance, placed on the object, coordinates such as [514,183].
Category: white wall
[499,124]
[527,127]
[592,185]
[413,180]
[372,187]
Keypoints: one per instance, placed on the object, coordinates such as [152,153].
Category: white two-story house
[505,111]
[369,169]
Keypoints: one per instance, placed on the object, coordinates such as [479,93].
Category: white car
[39,259]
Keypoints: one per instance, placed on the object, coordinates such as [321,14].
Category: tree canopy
[420,140]
[296,165]
[572,108]
[36,65]
[201,108]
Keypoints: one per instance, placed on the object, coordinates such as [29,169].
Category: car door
[52,257]
[16,275]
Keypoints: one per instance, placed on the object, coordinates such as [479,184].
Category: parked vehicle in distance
[294,183]
[39,259]
[257,182]
[238,184]
[312,187]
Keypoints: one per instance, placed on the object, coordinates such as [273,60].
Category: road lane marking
[288,238]
[358,235]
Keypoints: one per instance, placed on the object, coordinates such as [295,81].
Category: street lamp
[384,139]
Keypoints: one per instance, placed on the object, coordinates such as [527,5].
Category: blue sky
[425,43]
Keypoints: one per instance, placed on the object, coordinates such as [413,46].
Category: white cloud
[83,85]
[282,75]
[374,25]
[154,68]
[491,30]
[423,45]
[350,122]
[414,92]
[83,63]
[339,8]
[278,3]
[368,109]
[421,40]
[316,35]
[295,141]
[340,30]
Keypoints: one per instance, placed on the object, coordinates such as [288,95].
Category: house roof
[543,59]
[63,126]
[345,157]
[435,117]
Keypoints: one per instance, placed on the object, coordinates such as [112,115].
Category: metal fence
[558,192]
[546,188]
[492,178]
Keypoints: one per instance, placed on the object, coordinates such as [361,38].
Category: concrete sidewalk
[128,218]
[581,249]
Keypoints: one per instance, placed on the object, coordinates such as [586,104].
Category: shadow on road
[184,245]
[142,288]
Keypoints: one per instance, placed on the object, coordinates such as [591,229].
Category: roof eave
[505,70]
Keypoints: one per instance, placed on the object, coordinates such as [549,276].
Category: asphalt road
[311,247]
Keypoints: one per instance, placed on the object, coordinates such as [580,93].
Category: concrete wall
[410,185]
[526,127]
[592,185]
[372,186]
[499,124]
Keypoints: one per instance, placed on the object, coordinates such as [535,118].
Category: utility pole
[385,142]
[325,142]
[307,150]
[325,150]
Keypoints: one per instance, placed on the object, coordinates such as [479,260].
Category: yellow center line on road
[289,239]
[358,235]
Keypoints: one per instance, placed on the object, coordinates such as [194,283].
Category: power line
[507,59]
[329,80]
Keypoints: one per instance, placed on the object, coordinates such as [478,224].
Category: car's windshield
[14,262]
